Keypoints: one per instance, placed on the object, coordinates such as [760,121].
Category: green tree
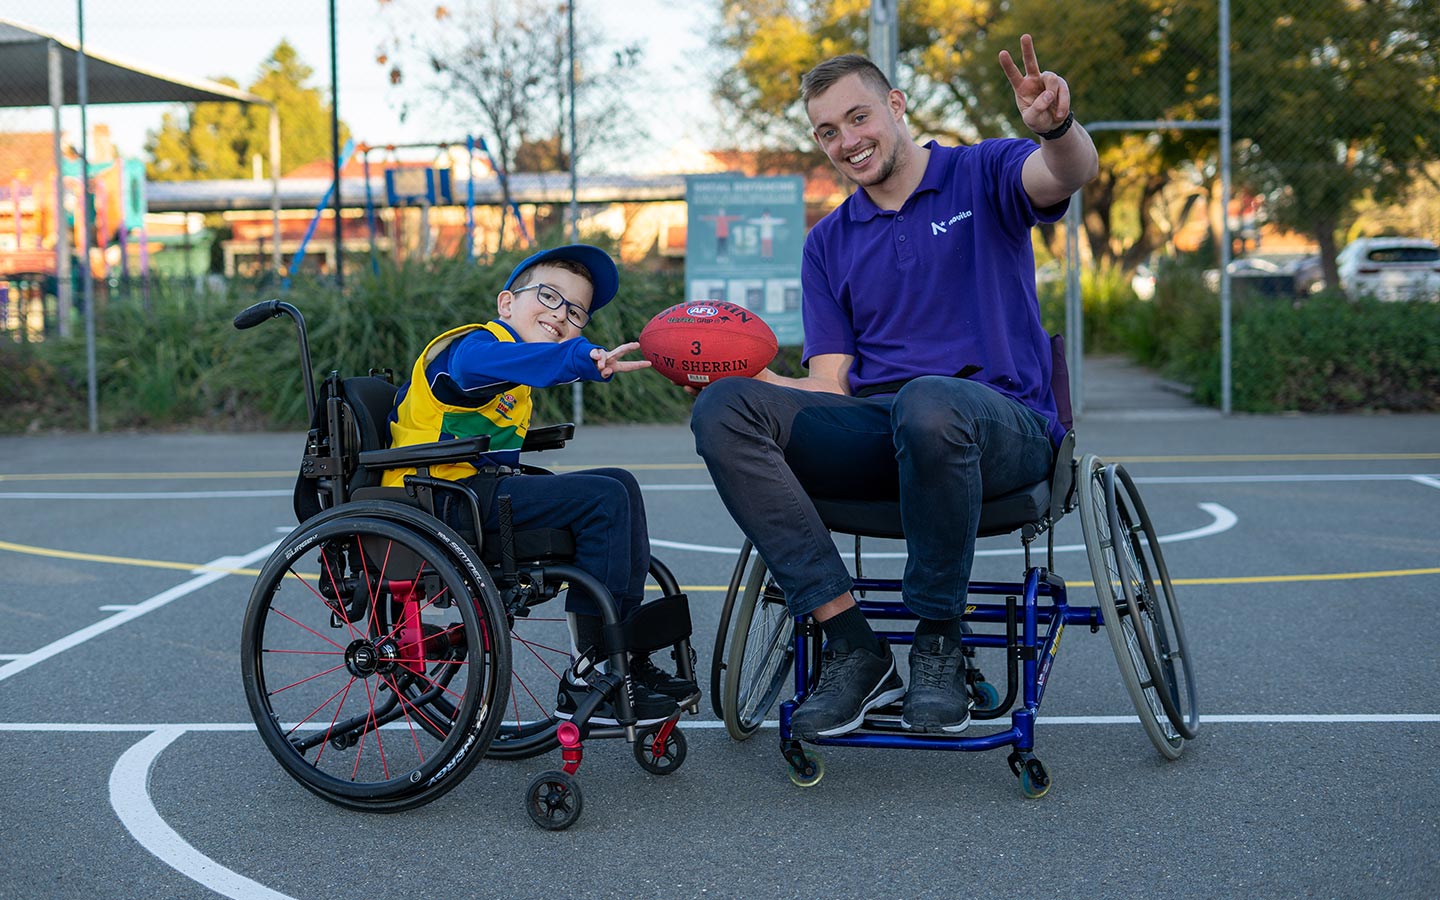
[1333,103]
[1135,63]
[220,140]
[505,66]
[1335,106]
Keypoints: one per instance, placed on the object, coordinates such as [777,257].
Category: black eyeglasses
[578,315]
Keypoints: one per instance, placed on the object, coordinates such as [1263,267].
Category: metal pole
[577,392]
[83,96]
[884,36]
[63,299]
[275,189]
[335,152]
[1074,308]
[1226,387]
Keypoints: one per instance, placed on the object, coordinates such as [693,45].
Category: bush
[180,362]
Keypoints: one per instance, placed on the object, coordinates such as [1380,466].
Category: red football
[695,343]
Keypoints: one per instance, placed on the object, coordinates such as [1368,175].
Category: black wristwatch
[1059,130]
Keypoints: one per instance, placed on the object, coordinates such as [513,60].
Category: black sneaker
[938,701]
[851,684]
[646,673]
[650,708]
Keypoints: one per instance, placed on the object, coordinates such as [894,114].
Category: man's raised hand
[1043,98]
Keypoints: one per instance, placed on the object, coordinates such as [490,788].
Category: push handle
[260,312]
[266,310]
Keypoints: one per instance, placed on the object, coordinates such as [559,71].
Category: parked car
[1289,275]
[1390,268]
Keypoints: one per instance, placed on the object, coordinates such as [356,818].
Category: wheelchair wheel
[540,654]
[1109,575]
[1150,599]
[760,654]
[722,631]
[371,664]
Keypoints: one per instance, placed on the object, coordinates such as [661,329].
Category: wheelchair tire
[371,664]
[1150,597]
[760,655]
[722,630]
[1109,574]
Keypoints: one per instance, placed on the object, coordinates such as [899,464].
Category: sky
[205,39]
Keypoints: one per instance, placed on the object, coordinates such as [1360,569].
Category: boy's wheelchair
[759,644]
[385,652]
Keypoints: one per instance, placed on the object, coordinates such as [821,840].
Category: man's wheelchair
[759,643]
[385,652]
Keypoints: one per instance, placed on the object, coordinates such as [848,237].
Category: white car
[1390,268]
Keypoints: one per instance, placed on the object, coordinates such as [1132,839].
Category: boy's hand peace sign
[1043,98]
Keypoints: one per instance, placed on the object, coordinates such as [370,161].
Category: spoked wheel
[1150,598]
[553,800]
[541,652]
[370,663]
[1110,575]
[718,665]
[760,654]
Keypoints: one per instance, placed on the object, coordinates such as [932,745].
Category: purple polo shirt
[944,283]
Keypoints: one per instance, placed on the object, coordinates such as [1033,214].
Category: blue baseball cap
[603,275]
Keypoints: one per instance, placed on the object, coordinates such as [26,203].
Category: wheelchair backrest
[351,416]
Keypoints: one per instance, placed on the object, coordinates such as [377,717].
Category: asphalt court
[1306,559]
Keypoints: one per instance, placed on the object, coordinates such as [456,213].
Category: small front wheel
[1034,779]
[553,800]
[810,775]
[663,759]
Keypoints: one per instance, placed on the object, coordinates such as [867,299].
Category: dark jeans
[605,512]
[940,446]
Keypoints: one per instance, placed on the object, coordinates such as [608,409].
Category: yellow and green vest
[423,418]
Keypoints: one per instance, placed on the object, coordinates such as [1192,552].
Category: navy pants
[940,445]
[605,512]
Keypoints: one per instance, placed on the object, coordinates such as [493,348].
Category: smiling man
[929,377]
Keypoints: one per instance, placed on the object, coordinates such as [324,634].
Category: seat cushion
[881,518]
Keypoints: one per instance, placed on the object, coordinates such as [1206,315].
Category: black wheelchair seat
[881,518]
[1032,509]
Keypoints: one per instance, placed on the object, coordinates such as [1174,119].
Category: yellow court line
[1275,457]
[711,588]
[698,466]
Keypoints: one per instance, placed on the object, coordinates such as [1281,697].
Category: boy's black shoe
[650,708]
[646,673]
[938,700]
[851,684]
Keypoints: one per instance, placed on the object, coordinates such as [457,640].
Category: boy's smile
[521,307]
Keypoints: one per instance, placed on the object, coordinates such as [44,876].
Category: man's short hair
[819,79]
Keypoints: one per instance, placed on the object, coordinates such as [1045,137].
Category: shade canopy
[25,75]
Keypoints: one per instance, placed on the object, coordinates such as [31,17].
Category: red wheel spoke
[319,674]
[301,625]
[338,609]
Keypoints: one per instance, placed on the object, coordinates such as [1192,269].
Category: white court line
[130,797]
[130,783]
[140,495]
[1223,520]
[26,660]
[1426,480]
[706,724]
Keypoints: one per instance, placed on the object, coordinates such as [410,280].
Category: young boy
[477,380]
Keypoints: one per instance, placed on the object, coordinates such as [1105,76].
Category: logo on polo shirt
[940,227]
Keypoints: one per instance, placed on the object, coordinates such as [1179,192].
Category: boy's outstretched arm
[608,362]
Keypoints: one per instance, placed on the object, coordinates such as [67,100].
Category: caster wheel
[986,695]
[1034,779]
[553,800]
[661,760]
[810,776]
